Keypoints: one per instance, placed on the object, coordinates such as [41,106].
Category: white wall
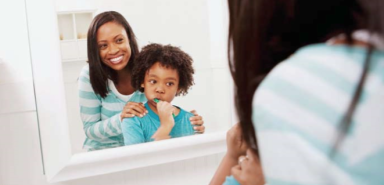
[20,156]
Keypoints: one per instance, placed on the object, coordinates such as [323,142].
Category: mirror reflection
[142,71]
[161,72]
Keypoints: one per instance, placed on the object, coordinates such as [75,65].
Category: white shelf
[73,28]
[81,26]
[69,50]
[66,26]
[82,44]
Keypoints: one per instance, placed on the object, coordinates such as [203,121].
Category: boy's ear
[142,85]
[178,91]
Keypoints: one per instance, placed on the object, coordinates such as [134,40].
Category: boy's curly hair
[169,57]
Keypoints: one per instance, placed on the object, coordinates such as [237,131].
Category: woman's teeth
[116,60]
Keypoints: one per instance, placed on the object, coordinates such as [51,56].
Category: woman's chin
[117,66]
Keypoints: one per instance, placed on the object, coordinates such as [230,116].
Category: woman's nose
[113,49]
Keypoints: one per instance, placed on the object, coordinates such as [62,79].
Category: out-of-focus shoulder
[85,71]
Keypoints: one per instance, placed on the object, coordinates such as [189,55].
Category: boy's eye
[152,81]
[169,83]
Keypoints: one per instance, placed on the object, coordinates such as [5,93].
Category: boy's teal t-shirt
[140,130]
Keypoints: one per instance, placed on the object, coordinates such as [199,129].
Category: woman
[105,90]
[317,118]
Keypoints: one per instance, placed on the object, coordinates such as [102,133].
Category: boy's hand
[165,110]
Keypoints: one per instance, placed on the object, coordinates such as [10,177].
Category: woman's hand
[197,122]
[236,145]
[249,171]
[132,109]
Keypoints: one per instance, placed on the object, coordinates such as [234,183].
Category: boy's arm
[132,131]
[167,122]
[162,133]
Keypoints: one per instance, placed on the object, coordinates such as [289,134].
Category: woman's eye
[119,40]
[102,46]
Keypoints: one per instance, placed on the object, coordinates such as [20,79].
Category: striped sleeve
[297,111]
[95,127]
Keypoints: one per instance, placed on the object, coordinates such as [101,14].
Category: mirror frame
[59,163]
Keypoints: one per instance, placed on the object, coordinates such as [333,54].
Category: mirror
[198,27]
[185,24]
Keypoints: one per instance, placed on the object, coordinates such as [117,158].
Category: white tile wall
[17,97]
[19,136]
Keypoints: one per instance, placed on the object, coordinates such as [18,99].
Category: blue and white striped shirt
[297,111]
[101,116]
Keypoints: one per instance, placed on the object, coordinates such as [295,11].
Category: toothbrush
[157,101]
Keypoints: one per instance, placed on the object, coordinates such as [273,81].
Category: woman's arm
[223,170]
[90,110]
[235,148]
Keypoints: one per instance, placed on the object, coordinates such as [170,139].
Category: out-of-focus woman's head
[374,15]
[263,33]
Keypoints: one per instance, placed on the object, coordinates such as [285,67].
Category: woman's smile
[116,60]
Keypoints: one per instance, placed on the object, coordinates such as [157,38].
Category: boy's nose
[159,89]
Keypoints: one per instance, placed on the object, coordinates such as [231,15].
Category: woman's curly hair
[169,57]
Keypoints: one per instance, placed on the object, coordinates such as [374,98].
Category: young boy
[161,72]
